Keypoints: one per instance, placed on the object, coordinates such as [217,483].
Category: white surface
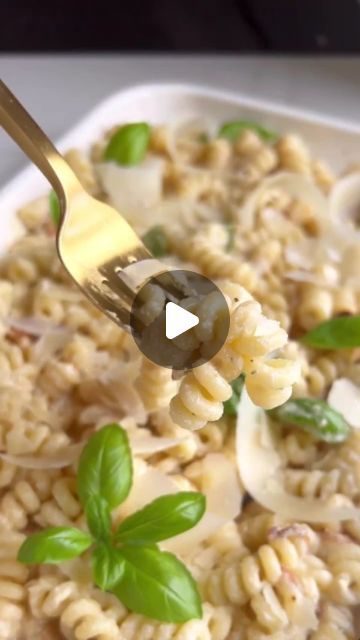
[178,320]
[334,139]
[60,90]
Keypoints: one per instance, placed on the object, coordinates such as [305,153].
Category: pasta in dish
[257,213]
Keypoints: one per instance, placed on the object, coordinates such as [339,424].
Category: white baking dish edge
[168,102]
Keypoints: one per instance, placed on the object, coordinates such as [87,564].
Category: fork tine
[107,304]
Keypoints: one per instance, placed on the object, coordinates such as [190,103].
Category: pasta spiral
[155,385]
[239,582]
[24,500]
[63,507]
[321,484]
[293,154]
[336,623]
[7,473]
[299,448]
[214,262]
[343,560]
[13,577]
[49,597]
[251,338]
[96,615]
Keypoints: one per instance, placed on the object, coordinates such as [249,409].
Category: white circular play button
[179,333]
[178,320]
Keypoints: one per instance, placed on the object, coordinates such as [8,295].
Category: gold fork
[95,243]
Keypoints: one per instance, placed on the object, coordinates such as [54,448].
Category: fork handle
[20,126]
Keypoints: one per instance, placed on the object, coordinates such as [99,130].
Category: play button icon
[179,319]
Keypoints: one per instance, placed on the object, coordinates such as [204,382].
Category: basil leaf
[98,517]
[231,405]
[156,241]
[54,206]
[105,467]
[54,545]
[107,565]
[338,333]
[163,518]
[156,584]
[231,130]
[129,144]
[315,416]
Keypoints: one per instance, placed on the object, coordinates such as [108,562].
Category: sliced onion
[262,472]
[140,445]
[344,397]
[137,273]
[329,247]
[344,199]
[33,326]
[61,292]
[49,344]
[148,484]
[296,186]
[223,496]
[147,445]
[184,212]
[62,458]
[313,278]
[115,390]
[223,503]
[133,190]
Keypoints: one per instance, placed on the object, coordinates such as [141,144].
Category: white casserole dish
[334,140]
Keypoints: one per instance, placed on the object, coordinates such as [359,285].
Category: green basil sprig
[54,545]
[105,467]
[156,241]
[315,416]
[107,565]
[54,206]
[126,562]
[163,518]
[231,130]
[231,405]
[157,584]
[129,144]
[338,333]
[98,517]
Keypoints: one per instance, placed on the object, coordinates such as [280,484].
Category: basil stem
[231,405]
[107,565]
[315,416]
[98,517]
[338,333]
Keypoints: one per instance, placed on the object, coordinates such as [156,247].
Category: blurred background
[187,25]
[62,57]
